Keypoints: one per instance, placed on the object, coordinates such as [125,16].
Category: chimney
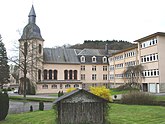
[106,49]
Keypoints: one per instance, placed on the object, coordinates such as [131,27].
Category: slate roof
[60,55]
[76,91]
[31,30]
[64,55]
[88,60]
[92,52]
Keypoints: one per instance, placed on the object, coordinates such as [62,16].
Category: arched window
[75,74]
[66,74]
[40,49]
[39,75]
[55,74]
[45,74]
[50,74]
[70,74]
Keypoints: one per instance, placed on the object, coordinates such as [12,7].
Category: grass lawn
[136,114]
[54,94]
[37,117]
[116,92]
[118,114]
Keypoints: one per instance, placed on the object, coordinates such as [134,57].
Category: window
[82,67]
[104,68]
[131,63]
[44,86]
[50,74]
[82,58]
[104,76]
[39,74]
[93,59]
[76,86]
[130,54]
[60,86]
[55,74]
[149,43]
[67,86]
[93,68]
[112,67]
[54,86]
[151,73]
[119,65]
[93,76]
[104,59]
[70,74]
[94,85]
[26,48]
[119,75]
[66,74]
[40,49]
[149,58]
[82,76]
[156,56]
[75,74]
[119,57]
[111,77]
[45,74]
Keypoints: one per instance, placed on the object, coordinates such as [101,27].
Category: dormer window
[104,59]
[94,59]
[82,58]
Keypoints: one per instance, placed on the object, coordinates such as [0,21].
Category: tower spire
[32,16]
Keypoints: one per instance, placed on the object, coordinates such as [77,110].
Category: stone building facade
[57,69]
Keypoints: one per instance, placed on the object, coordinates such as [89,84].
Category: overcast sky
[73,21]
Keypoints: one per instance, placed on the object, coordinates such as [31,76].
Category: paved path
[20,107]
[34,96]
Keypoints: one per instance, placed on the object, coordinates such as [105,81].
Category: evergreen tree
[4,67]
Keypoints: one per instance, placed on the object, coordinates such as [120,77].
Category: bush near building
[138,98]
[70,89]
[41,105]
[4,105]
[102,92]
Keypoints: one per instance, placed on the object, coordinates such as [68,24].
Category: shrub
[41,105]
[31,108]
[138,98]
[4,105]
[9,89]
[70,89]
[126,86]
[102,92]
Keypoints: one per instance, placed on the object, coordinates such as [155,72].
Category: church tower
[31,50]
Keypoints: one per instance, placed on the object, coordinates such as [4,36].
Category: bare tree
[29,61]
[133,75]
